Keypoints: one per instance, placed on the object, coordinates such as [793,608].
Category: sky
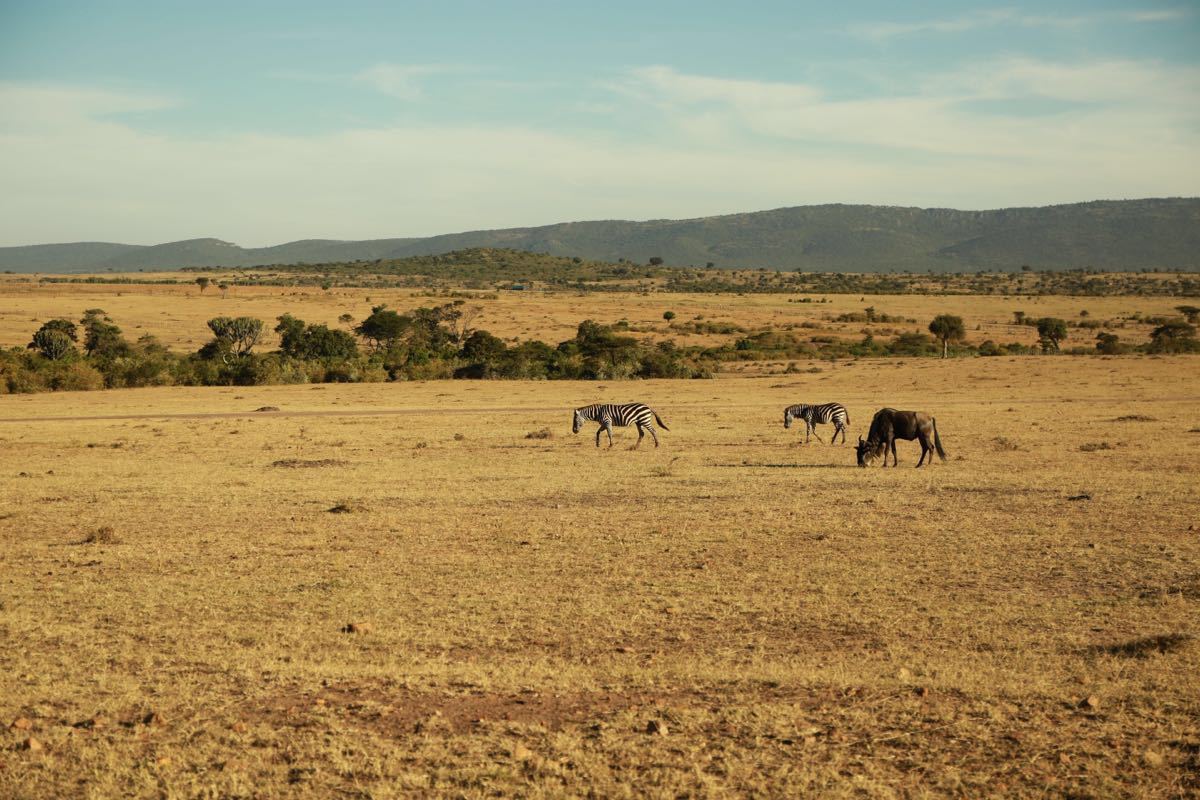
[265,122]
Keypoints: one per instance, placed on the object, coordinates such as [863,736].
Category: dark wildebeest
[888,425]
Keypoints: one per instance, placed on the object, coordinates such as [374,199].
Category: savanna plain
[435,589]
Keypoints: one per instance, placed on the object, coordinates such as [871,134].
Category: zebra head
[577,422]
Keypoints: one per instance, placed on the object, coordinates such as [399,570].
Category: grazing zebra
[609,414]
[819,415]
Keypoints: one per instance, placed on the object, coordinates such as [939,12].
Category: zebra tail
[658,419]
[937,441]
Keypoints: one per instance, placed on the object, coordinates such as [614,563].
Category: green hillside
[1122,234]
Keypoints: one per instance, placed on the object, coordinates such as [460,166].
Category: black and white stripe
[609,414]
[819,415]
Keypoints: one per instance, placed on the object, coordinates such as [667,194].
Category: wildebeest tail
[658,419]
[937,441]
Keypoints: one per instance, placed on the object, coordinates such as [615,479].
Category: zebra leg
[608,427]
[641,435]
[599,431]
[653,435]
[839,429]
[814,432]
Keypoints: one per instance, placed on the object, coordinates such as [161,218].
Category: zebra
[609,414]
[819,415]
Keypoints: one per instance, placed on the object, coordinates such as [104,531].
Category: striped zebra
[609,414]
[819,415]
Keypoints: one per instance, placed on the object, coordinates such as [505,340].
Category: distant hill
[1117,234]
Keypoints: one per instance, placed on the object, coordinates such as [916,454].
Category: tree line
[423,344]
[442,342]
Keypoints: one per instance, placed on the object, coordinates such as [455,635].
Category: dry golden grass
[177,314]
[492,614]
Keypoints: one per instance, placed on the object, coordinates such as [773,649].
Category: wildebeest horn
[860,441]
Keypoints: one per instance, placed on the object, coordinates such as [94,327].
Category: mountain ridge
[1105,234]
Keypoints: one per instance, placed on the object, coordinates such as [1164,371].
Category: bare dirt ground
[434,589]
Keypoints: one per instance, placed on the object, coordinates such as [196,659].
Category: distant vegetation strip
[485,269]
[442,342]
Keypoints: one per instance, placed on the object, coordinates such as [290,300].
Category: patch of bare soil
[302,463]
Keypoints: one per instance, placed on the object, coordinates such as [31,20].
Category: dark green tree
[52,343]
[384,328]
[1108,344]
[1052,332]
[1173,337]
[1191,313]
[202,282]
[948,328]
[101,338]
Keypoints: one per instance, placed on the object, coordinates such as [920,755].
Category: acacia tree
[100,336]
[948,328]
[1191,313]
[1053,331]
[202,283]
[1173,337]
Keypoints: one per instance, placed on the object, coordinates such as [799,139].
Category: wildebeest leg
[924,450]
[895,461]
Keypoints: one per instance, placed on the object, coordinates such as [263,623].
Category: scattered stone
[22,724]
[1091,702]
[92,723]
[345,508]
[521,753]
[1153,759]
[656,727]
[32,745]
[358,627]
[1064,758]
[238,727]
[905,674]
[267,408]
[922,691]
[153,718]
[164,761]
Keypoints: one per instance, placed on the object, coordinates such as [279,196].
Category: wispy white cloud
[1110,106]
[401,81]
[76,169]
[991,18]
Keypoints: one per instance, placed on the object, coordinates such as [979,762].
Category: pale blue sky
[261,122]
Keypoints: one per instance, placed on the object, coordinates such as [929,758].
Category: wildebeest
[888,425]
